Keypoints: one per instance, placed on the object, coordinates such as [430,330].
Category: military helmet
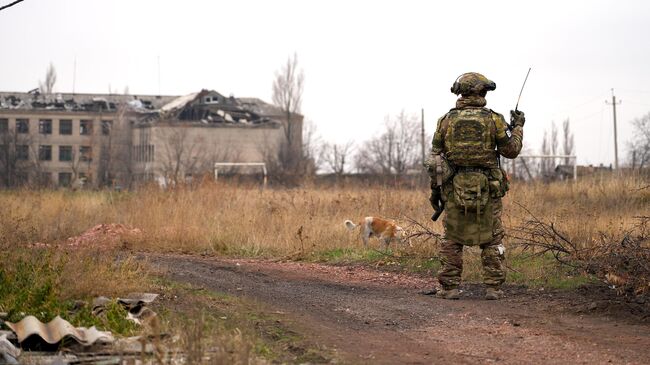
[472,83]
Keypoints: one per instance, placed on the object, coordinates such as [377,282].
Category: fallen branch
[623,263]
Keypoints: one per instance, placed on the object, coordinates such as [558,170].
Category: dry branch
[623,263]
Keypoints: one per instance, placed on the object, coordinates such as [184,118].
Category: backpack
[470,138]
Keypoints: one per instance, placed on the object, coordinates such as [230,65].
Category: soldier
[467,181]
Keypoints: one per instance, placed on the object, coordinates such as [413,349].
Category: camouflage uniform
[471,138]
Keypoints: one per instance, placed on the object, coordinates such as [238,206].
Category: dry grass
[226,219]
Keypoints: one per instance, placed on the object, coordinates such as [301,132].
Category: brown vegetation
[250,221]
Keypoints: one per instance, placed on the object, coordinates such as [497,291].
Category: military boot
[493,293]
[448,294]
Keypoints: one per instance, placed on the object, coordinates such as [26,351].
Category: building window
[4,125]
[65,153]
[22,152]
[85,153]
[22,177]
[65,127]
[22,125]
[86,127]
[106,127]
[65,178]
[143,153]
[45,178]
[45,153]
[45,126]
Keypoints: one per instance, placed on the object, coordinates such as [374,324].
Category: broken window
[65,153]
[45,126]
[106,127]
[4,125]
[22,125]
[85,153]
[86,127]
[65,127]
[65,179]
[22,152]
[45,153]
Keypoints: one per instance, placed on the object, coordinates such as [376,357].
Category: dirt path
[370,316]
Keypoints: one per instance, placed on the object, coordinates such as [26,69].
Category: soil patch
[370,316]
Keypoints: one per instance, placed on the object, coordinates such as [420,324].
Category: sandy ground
[374,317]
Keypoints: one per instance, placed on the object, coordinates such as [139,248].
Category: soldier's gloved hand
[435,199]
[517,118]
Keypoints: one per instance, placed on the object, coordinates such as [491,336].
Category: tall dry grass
[214,218]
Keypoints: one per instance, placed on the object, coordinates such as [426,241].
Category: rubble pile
[103,235]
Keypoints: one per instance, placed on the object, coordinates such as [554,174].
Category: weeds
[49,282]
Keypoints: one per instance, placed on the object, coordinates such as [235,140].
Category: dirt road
[373,317]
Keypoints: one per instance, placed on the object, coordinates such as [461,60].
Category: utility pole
[615,137]
[424,156]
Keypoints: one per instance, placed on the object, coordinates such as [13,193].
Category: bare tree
[336,156]
[395,150]
[184,156]
[567,140]
[312,148]
[178,154]
[287,95]
[639,146]
[554,145]
[15,163]
[546,150]
[47,86]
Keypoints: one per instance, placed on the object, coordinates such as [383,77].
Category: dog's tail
[350,225]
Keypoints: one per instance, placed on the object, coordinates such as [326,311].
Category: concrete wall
[193,148]
[55,140]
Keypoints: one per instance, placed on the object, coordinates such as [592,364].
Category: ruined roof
[34,100]
[211,107]
[206,106]
[261,107]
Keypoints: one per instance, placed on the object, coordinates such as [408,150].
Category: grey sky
[362,59]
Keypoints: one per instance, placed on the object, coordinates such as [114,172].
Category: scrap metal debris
[56,330]
[8,352]
[134,303]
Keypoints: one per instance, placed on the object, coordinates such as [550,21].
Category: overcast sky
[362,59]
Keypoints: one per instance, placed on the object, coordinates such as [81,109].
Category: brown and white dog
[384,229]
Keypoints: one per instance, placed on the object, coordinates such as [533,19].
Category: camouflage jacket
[467,147]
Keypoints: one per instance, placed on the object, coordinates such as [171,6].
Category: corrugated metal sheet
[56,330]
[135,299]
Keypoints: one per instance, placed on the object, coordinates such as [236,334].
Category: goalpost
[218,165]
[572,158]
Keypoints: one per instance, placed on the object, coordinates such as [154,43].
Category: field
[43,273]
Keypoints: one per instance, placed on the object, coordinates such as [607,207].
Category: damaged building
[116,140]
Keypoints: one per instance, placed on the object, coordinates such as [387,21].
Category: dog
[385,230]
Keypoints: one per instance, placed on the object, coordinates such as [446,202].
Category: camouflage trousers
[492,255]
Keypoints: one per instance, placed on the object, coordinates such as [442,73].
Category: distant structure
[96,140]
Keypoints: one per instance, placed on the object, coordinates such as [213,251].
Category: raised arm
[508,146]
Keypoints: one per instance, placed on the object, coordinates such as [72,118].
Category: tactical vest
[470,138]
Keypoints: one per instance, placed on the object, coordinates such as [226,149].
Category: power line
[591,100]
[11,4]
